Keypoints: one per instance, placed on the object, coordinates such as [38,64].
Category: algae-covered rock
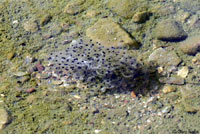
[191,46]
[191,98]
[163,57]
[74,7]
[124,8]
[109,33]
[169,30]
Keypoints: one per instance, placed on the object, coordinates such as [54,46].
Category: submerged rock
[191,98]
[164,58]
[96,66]
[191,46]
[74,7]
[109,33]
[124,8]
[169,30]
[172,80]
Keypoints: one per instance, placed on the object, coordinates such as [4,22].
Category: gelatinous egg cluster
[94,65]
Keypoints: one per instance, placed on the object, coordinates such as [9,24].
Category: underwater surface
[99,66]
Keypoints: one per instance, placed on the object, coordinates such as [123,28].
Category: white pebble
[97,131]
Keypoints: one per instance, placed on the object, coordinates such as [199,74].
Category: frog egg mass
[94,65]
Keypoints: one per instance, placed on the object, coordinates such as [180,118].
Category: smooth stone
[169,30]
[109,33]
[173,80]
[74,7]
[191,98]
[124,8]
[168,89]
[164,58]
[4,118]
[191,46]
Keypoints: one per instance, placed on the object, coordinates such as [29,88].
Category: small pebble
[10,55]
[45,19]
[39,67]
[30,26]
[74,7]
[30,90]
[183,72]
[167,89]
[42,75]
[92,13]
[97,131]
[19,74]
[29,59]
[160,69]
[133,95]
[140,17]
[166,109]
[57,82]
[77,97]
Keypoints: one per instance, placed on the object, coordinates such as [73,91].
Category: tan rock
[183,72]
[160,69]
[167,89]
[109,33]
[196,59]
